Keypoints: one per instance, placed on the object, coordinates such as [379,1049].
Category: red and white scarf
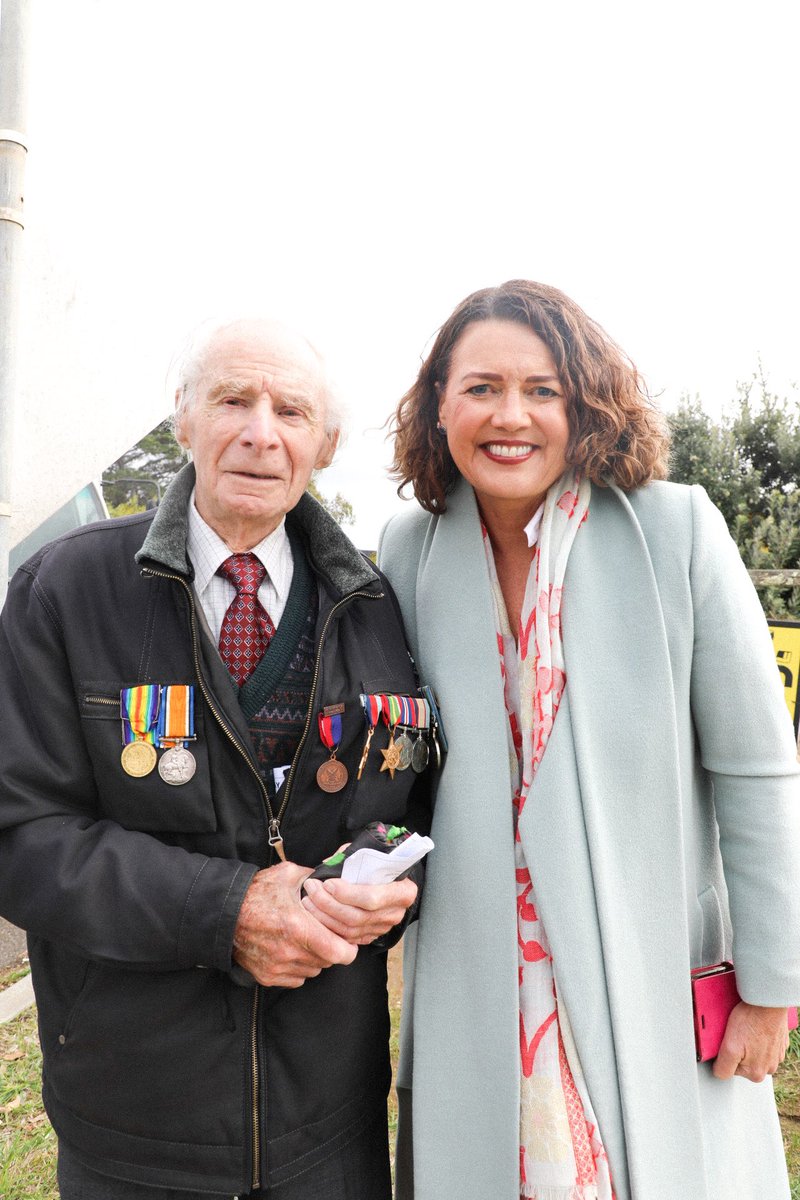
[561,1151]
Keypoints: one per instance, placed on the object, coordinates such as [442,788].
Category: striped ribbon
[176,719]
[410,712]
[139,708]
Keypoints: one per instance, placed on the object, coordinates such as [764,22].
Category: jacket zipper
[219,718]
[255,1085]
[274,830]
[101,700]
[315,678]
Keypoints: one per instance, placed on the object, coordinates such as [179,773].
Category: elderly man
[184,707]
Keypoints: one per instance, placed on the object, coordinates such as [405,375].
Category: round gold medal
[332,775]
[138,759]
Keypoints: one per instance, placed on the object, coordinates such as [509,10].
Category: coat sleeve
[66,874]
[747,745]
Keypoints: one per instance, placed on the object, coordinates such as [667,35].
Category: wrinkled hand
[276,939]
[755,1043]
[359,912]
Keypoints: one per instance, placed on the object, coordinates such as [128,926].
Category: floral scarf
[561,1152]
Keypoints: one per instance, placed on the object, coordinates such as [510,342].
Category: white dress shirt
[534,525]
[207,552]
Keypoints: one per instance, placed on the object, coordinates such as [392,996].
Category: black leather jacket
[158,1065]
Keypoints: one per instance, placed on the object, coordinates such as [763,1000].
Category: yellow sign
[786,640]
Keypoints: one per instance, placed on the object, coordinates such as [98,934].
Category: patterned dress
[561,1150]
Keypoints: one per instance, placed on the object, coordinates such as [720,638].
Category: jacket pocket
[147,802]
[138,1046]
[713,940]
[69,1020]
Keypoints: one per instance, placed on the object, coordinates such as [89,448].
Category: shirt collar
[207,552]
[534,525]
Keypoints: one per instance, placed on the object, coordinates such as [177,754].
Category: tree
[749,463]
[138,478]
[340,509]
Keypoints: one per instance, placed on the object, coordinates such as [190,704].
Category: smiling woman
[504,412]
[620,797]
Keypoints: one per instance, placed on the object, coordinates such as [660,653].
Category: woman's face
[505,414]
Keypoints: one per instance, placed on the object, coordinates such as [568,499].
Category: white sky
[358,167]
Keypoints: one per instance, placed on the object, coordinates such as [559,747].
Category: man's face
[256,430]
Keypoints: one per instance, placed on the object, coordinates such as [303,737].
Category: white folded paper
[375,866]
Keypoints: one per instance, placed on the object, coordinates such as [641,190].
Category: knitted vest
[275,698]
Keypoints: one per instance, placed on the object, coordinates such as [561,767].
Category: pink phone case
[714,996]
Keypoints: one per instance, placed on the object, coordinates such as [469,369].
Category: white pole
[13,148]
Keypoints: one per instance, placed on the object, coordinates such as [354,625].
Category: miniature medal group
[158,716]
[413,726]
[403,716]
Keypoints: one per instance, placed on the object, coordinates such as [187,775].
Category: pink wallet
[714,996]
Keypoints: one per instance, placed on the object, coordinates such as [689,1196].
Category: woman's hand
[755,1043]
[358,912]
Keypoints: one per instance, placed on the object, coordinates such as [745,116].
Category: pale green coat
[670,773]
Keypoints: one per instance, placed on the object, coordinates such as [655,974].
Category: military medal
[420,751]
[438,735]
[404,742]
[138,759]
[420,754]
[139,712]
[332,775]
[390,708]
[177,766]
[372,711]
[175,728]
[406,748]
[391,757]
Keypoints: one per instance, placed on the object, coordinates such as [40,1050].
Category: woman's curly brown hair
[616,433]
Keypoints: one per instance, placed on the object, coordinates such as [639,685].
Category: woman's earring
[440,427]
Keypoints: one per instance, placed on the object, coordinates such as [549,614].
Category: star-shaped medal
[391,758]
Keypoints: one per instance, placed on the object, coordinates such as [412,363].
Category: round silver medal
[406,746]
[177,766]
[419,755]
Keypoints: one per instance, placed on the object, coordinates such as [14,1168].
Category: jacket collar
[330,551]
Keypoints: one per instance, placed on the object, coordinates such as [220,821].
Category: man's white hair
[189,363]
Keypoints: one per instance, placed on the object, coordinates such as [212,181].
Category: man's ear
[180,432]
[328,450]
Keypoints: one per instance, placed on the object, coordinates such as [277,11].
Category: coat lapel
[604,841]
[470,896]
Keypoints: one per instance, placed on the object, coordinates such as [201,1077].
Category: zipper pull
[276,840]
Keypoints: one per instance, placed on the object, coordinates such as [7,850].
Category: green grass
[27,1141]
[28,1144]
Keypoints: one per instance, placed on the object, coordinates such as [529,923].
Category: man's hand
[359,912]
[755,1043]
[275,939]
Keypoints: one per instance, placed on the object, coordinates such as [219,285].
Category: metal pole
[13,148]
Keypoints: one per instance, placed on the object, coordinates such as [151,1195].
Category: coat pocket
[144,802]
[713,940]
[380,794]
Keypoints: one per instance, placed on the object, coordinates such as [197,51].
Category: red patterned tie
[246,627]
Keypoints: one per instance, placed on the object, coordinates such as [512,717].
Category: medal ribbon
[391,709]
[176,723]
[330,731]
[372,709]
[139,709]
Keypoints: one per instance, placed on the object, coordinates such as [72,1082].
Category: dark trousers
[344,1176]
